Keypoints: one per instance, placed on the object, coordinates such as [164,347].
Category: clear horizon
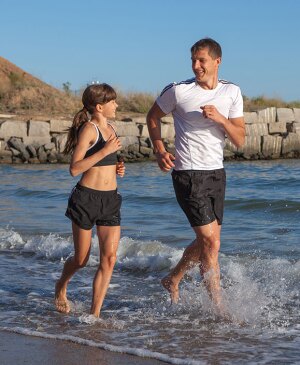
[141,46]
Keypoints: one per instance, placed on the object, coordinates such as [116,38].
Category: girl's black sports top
[110,159]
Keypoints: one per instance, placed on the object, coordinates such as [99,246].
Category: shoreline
[18,349]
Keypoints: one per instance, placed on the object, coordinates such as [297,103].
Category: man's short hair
[214,49]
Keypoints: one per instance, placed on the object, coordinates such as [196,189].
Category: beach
[20,349]
[259,263]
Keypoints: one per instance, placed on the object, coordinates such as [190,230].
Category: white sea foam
[51,246]
[146,256]
[9,239]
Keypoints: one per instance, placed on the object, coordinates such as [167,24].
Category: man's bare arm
[164,158]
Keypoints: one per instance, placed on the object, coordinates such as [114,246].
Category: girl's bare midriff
[100,178]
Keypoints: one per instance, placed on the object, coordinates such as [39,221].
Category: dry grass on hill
[22,93]
[261,102]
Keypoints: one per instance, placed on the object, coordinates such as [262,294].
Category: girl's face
[108,110]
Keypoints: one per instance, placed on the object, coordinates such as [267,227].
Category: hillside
[22,93]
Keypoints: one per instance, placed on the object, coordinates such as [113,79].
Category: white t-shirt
[199,141]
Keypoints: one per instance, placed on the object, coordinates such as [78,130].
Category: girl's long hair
[92,95]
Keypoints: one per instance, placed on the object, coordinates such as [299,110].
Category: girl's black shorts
[87,207]
[200,194]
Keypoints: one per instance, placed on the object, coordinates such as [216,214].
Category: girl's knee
[108,261]
[80,262]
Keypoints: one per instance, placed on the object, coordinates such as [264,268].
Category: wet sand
[20,349]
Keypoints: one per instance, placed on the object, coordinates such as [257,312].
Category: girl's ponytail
[79,119]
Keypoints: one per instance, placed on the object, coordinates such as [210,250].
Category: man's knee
[210,244]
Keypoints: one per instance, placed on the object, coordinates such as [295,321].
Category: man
[204,109]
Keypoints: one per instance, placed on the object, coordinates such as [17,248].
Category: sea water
[259,260]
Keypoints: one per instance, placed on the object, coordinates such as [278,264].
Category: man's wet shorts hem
[88,207]
[200,194]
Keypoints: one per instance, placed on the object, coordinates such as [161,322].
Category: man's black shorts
[201,195]
[87,207]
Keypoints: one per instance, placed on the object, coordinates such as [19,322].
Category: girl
[94,200]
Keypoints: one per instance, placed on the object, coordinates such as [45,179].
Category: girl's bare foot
[61,302]
[172,288]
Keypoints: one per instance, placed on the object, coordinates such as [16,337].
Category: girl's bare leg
[82,247]
[108,241]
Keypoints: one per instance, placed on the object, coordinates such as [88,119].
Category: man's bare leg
[209,235]
[204,250]
[189,259]
[82,245]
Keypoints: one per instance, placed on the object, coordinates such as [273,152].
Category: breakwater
[271,133]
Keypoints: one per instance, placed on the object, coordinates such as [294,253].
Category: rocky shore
[271,133]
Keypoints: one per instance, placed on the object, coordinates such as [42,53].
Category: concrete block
[15,152]
[167,119]
[59,126]
[285,115]
[251,147]
[291,143]
[60,142]
[7,116]
[128,140]
[6,153]
[296,128]
[37,140]
[143,130]
[146,151]
[140,120]
[250,117]
[49,146]
[38,129]
[257,129]
[278,127]
[32,151]
[229,146]
[13,128]
[6,157]
[297,114]
[267,115]
[271,146]
[167,131]
[125,129]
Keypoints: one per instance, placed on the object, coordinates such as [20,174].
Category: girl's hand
[121,169]
[112,145]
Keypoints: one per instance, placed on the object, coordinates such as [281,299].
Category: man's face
[204,66]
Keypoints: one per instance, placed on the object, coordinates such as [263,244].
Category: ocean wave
[263,204]
[134,255]
[38,194]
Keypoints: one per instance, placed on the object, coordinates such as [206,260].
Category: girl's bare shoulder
[88,131]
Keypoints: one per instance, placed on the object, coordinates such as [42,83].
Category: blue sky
[138,45]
